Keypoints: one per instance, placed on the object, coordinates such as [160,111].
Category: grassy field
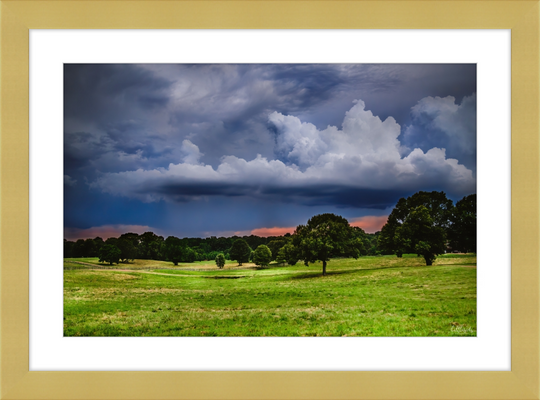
[371,296]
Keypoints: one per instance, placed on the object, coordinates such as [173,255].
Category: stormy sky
[215,149]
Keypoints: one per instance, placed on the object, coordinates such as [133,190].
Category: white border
[49,49]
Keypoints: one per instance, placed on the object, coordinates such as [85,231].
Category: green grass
[371,296]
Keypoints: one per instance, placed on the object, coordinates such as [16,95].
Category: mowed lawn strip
[371,296]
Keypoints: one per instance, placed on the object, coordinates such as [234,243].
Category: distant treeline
[153,247]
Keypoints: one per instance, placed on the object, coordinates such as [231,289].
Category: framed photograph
[61,167]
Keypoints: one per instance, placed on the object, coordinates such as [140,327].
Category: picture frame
[17,17]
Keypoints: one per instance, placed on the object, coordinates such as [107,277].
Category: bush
[220,261]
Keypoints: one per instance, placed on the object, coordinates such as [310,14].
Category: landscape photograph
[270,200]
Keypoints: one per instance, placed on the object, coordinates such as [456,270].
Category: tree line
[426,223]
[149,246]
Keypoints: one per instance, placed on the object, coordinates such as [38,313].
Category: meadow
[370,296]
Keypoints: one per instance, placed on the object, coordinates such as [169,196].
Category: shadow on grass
[222,277]
[318,274]
[456,265]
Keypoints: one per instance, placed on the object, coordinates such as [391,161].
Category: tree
[212,255]
[364,240]
[275,246]
[423,236]
[392,240]
[127,249]
[240,251]
[90,249]
[262,255]
[325,236]
[438,205]
[109,253]
[287,254]
[98,243]
[462,231]
[172,249]
[150,246]
[68,248]
[78,249]
[220,260]
[189,255]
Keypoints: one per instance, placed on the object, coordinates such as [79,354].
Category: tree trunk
[324,268]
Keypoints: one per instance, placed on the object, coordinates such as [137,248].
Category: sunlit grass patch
[371,296]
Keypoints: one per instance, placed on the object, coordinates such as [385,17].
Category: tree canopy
[462,231]
[275,246]
[172,250]
[240,251]
[394,239]
[422,235]
[220,260]
[262,255]
[287,254]
[109,253]
[326,236]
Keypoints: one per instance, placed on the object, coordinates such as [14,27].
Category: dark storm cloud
[314,195]
[153,136]
[103,93]
[337,195]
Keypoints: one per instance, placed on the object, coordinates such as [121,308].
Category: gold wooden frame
[17,17]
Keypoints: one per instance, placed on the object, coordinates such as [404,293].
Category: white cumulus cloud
[363,155]
[457,122]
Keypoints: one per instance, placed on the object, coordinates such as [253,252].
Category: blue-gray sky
[200,150]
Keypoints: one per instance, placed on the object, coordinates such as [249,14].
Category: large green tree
[393,240]
[462,231]
[240,251]
[326,236]
[172,249]
[128,251]
[109,253]
[262,255]
[150,246]
[423,236]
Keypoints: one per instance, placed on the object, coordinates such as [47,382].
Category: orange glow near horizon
[105,231]
[370,223]
[275,231]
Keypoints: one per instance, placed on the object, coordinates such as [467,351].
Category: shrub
[220,261]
